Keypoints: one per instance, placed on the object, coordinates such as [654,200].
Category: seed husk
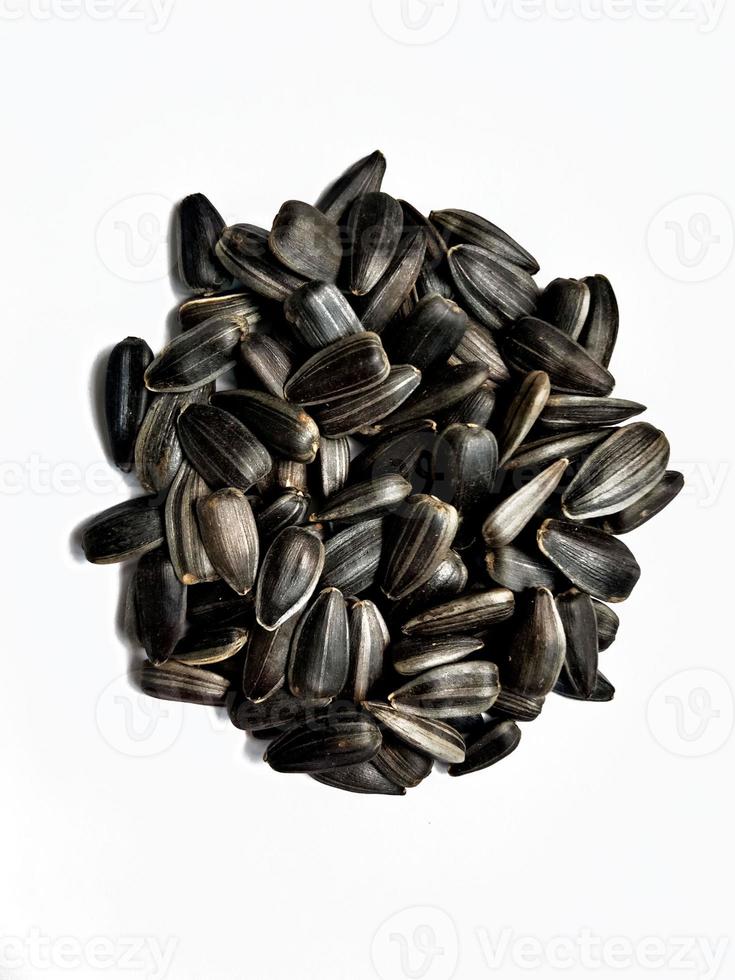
[363,501]
[271,716]
[620,471]
[436,247]
[533,345]
[126,397]
[334,465]
[348,415]
[421,542]
[439,391]
[468,228]
[465,464]
[319,315]
[350,366]
[287,510]
[243,250]
[369,638]
[495,293]
[158,452]
[222,450]
[173,681]
[577,411]
[470,614]
[603,690]
[390,292]
[123,531]
[396,452]
[517,570]
[608,622]
[230,537]
[509,518]
[186,548]
[365,778]
[374,229]
[429,335]
[240,303]
[326,742]
[288,576]
[197,230]
[517,707]
[360,178]
[266,660]
[647,506]
[210,646]
[565,303]
[414,655]
[352,557]
[577,615]
[214,604]
[479,344]
[269,360]
[537,646]
[401,764]
[450,579]
[306,241]
[527,405]
[495,744]
[475,408]
[320,650]
[431,737]
[285,429]
[199,355]
[160,605]
[596,562]
[600,330]
[550,448]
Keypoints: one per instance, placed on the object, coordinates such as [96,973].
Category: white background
[125,823]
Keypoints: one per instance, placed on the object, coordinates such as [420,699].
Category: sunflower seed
[197,231]
[595,561]
[352,557]
[369,638]
[450,691]
[421,542]
[576,411]
[272,715]
[429,335]
[603,690]
[126,397]
[494,292]
[214,604]
[243,251]
[158,452]
[334,465]
[608,622]
[536,648]
[284,428]
[533,345]
[509,518]
[469,614]
[236,303]
[306,241]
[549,449]
[320,653]
[374,229]
[352,365]
[180,682]
[401,764]
[362,501]
[600,330]
[528,403]
[478,344]
[210,646]
[186,548]
[468,228]
[475,408]
[270,361]
[414,655]
[577,615]
[287,510]
[230,537]
[464,464]
[364,778]
[287,475]
[495,744]
[123,531]
[450,579]
[197,356]
[436,247]
[629,518]
[565,303]
[389,293]
[517,707]
[362,177]
[395,453]
[427,735]
[517,570]
[324,743]
[160,605]
[266,660]
[348,415]
[223,450]
[439,391]
[620,471]
[320,315]
[288,576]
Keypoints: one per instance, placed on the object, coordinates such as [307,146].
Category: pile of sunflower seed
[385,485]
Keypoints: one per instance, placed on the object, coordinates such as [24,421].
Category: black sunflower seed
[158,452]
[230,537]
[549,449]
[268,360]
[566,303]
[509,518]
[126,397]
[238,303]
[320,315]
[464,466]
[527,405]
[365,778]
[533,345]
[348,415]
[369,638]
[186,548]
[479,344]
[593,560]
[352,365]
[197,231]
[439,391]
[363,501]
[494,292]
[517,570]
[391,290]
[421,541]
[577,411]
[173,681]
[469,614]
[160,605]
[600,330]
[465,227]
[287,510]
[352,557]
[288,576]
[577,615]
[414,655]
[429,335]
[475,408]
[284,428]
[602,691]
[210,646]
[430,736]
[320,649]
[334,465]
[634,515]
[401,764]
[517,707]
[123,531]
[325,743]
[374,229]
[496,743]
[362,177]
[243,250]
[450,691]
[222,450]
[537,646]
[608,623]
[306,241]
[396,452]
[266,660]
[199,355]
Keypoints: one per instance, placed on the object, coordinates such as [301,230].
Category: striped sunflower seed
[352,365]
[243,250]
[600,330]
[479,344]
[533,345]
[517,707]
[401,764]
[439,391]
[509,518]
[593,560]
[230,537]
[287,510]
[465,227]
[395,452]
[517,570]
[186,548]
[577,411]
[222,450]
[431,737]
[158,452]
[327,742]
[123,531]
[608,622]
[268,360]
[320,650]
[369,638]
[390,292]
[450,579]
[288,576]
[197,229]
[565,303]
[450,691]
[551,448]
[352,557]
[414,655]
[634,515]
[363,501]
[421,542]
[494,292]
[284,428]
[266,660]
[469,614]
[527,405]
[214,604]
[495,744]
[464,465]
[362,177]
[577,615]
[603,690]
[365,778]
[199,355]
[160,605]
[475,408]
[374,229]
[306,241]
[210,646]
[429,335]
[345,416]
[173,681]
[126,397]
[334,465]
[239,303]
[537,646]
[320,315]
